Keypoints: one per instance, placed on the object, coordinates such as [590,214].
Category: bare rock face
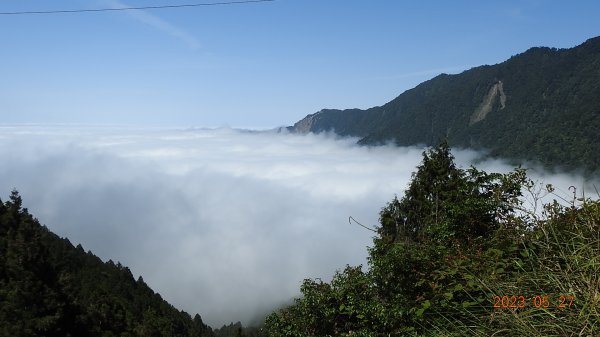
[488,103]
[305,124]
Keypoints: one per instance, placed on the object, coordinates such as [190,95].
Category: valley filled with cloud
[223,222]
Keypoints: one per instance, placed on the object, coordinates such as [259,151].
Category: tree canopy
[456,242]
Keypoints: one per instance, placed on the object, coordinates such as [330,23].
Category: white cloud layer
[220,222]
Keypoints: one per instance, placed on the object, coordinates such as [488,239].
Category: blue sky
[255,65]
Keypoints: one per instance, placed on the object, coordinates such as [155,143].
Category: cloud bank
[221,222]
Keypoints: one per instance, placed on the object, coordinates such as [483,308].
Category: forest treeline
[50,288]
[461,253]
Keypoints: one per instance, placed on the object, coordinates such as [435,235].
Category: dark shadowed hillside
[541,105]
[48,287]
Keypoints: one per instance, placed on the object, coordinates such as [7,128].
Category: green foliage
[445,205]
[457,241]
[328,309]
[550,113]
[559,257]
[50,288]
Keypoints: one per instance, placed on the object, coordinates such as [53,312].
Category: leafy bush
[457,244]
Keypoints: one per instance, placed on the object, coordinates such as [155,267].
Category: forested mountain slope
[543,104]
[48,288]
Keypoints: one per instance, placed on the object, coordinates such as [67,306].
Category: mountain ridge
[541,105]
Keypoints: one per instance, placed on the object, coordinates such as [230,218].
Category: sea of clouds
[221,222]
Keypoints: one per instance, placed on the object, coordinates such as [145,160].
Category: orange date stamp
[538,302]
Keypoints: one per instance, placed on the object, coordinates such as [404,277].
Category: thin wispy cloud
[160,24]
[516,13]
